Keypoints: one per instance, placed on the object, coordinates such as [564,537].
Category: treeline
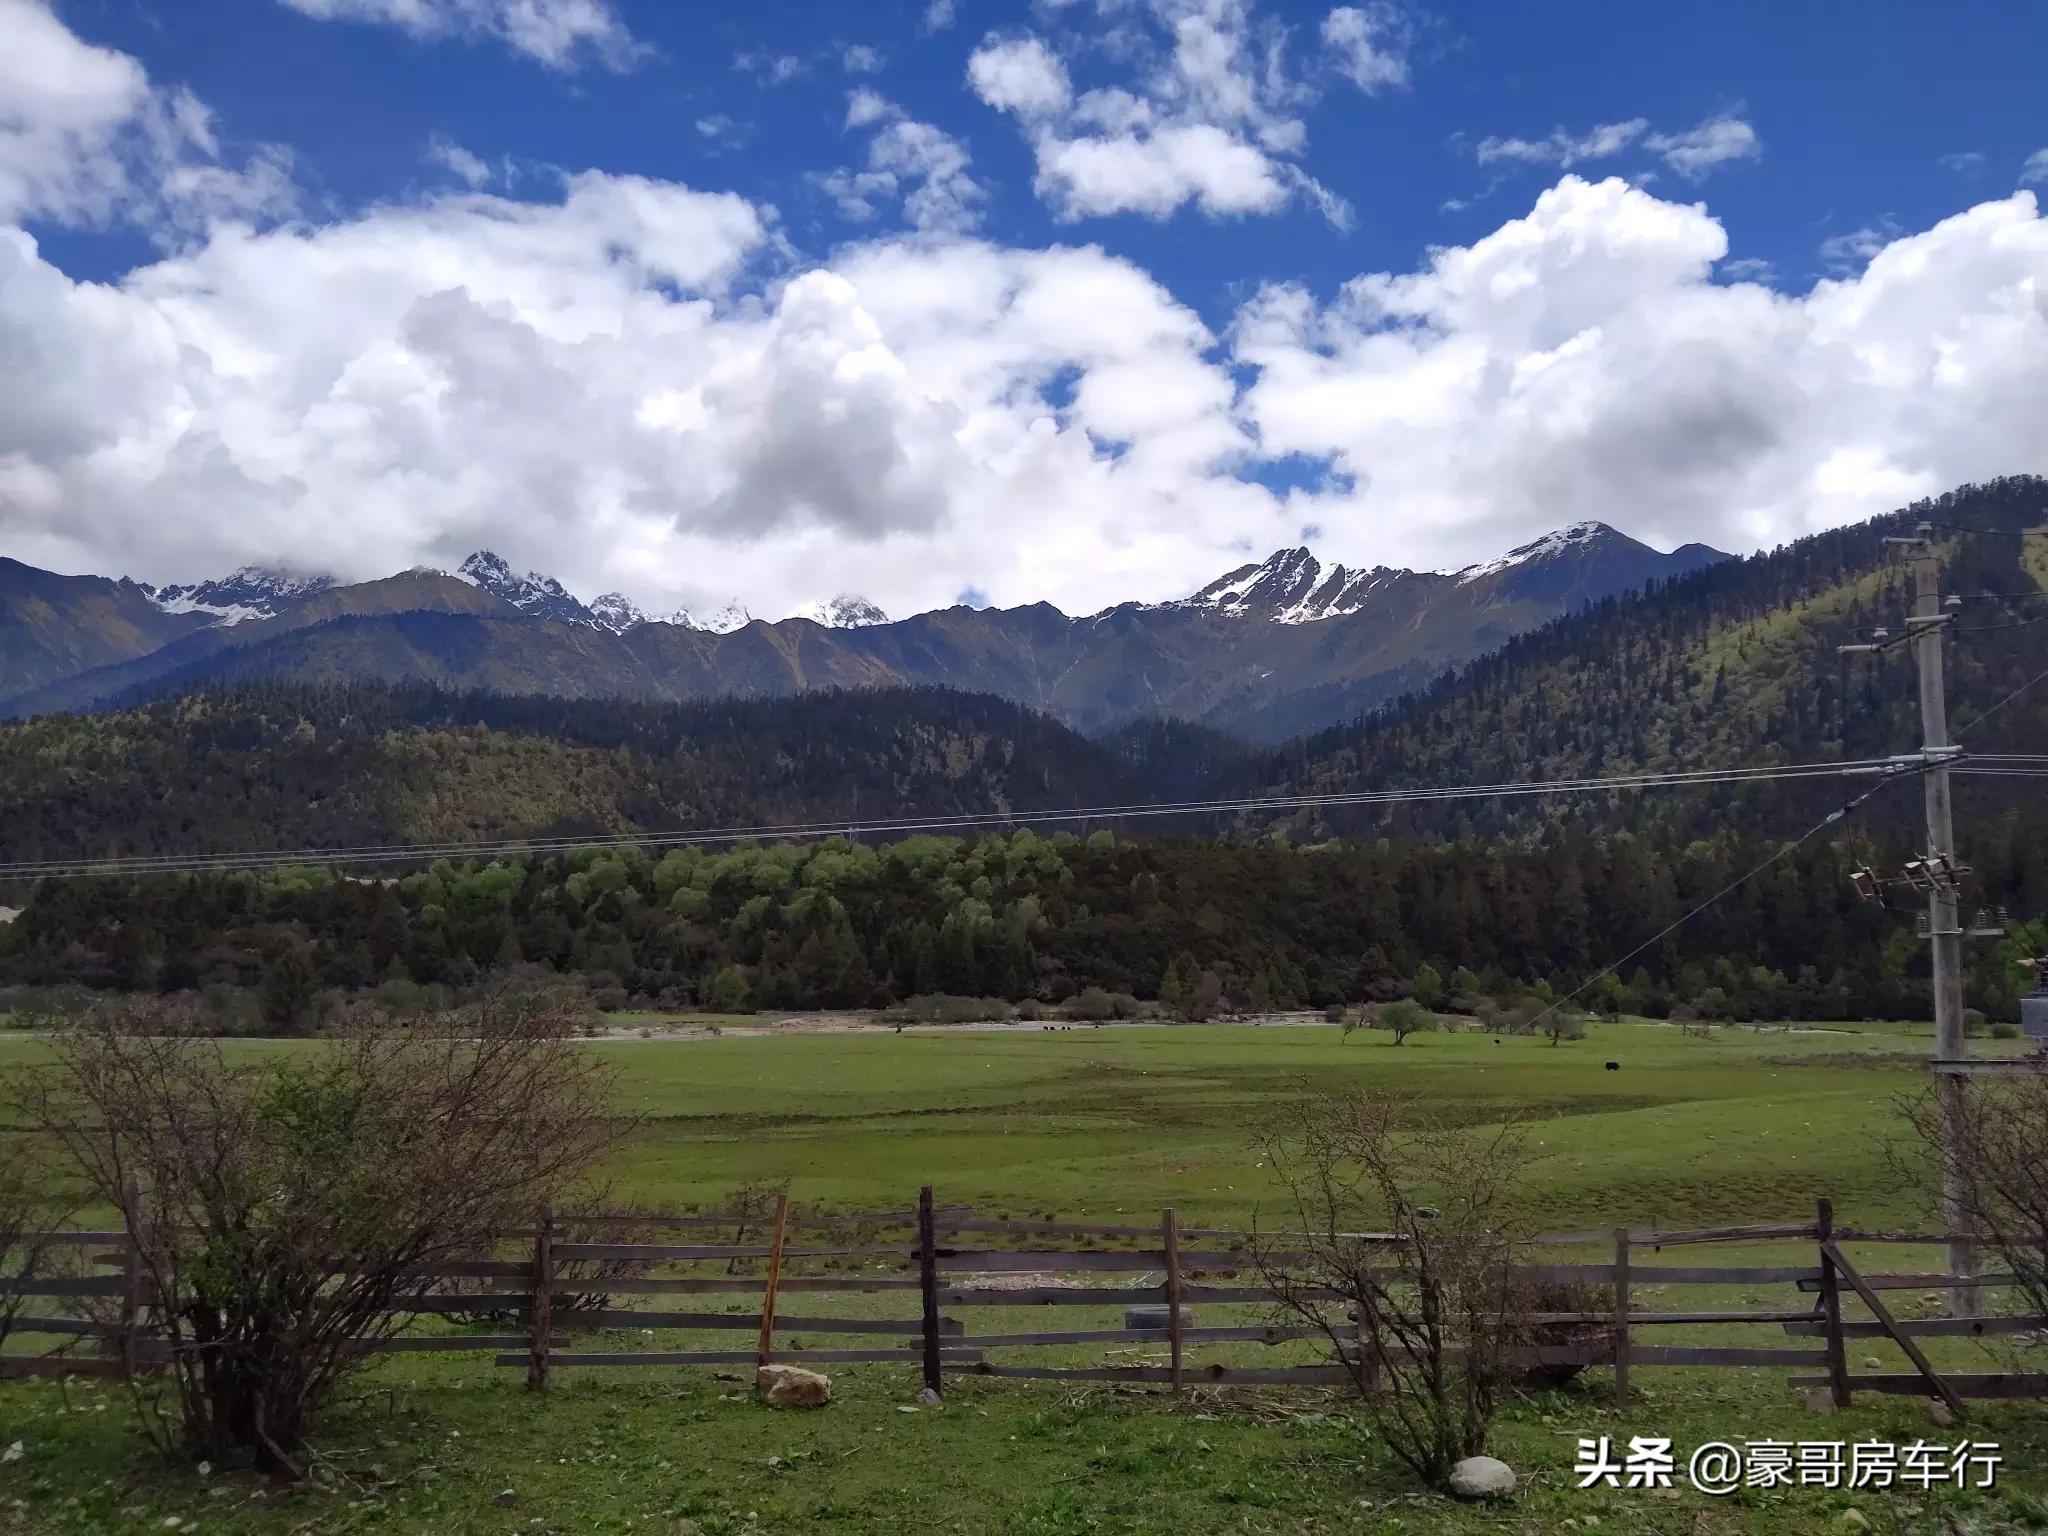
[1252,924]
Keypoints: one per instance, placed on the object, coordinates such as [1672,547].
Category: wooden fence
[562,1277]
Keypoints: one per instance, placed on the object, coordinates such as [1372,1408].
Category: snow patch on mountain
[616,612]
[1557,542]
[253,592]
[537,596]
[1291,587]
[848,610]
[733,616]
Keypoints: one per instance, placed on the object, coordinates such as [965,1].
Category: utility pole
[1938,874]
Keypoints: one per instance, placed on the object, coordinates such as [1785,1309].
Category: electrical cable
[2031,682]
[422,852]
[1730,888]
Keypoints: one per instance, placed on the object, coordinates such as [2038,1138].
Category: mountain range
[1266,651]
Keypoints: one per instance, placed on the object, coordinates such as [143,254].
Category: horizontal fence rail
[535,1298]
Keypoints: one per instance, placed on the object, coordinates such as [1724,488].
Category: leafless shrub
[285,1210]
[1403,1265]
[1994,1140]
[582,1286]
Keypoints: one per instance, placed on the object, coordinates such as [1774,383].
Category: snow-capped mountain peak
[253,592]
[1291,586]
[848,610]
[733,616]
[616,612]
[1576,537]
[537,596]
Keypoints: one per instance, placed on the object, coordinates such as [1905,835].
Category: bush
[1334,1014]
[1095,1003]
[1424,1324]
[1973,1021]
[2005,1029]
[285,1208]
[945,1008]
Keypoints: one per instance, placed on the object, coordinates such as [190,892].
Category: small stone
[506,1500]
[906,1407]
[1871,1362]
[791,1386]
[13,1453]
[726,1376]
[1938,1414]
[1482,1477]
[931,1399]
[1854,1520]
[688,1527]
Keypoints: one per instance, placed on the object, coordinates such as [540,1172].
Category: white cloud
[1020,75]
[561,34]
[1562,147]
[1693,153]
[938,15]
[864,106]
[860,59]
[1714,142]
[2036,168]
[1845,252]
[1581,362]
[769,68]
[1210,124]
[1367,45]
[457,161]
[923,164]
[1963,160]
[626,385]
[86,139]
[722,132]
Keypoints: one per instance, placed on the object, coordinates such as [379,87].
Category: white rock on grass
[1482,1477]
[791,1386]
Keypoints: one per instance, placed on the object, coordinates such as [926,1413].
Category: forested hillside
[1734,665]
[279,765]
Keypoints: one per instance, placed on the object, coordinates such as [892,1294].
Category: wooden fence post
[1169,1240]
[1831,1304]
[765,1351]
[540,1305]
[131,1278]
[928,1283]
[1621,1319]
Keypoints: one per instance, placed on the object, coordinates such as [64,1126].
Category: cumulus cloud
[1211,121]
[1367,46]
[1580,362]
[560,34]
[87,139]
[924,165]
[629,383]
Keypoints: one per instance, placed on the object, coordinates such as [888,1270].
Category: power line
[1727,890]
[2031,682]
[410,852]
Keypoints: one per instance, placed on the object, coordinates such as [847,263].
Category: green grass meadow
[1111,1123]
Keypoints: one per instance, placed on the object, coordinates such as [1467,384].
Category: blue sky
[1314,232]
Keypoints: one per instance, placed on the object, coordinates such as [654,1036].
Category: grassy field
[1096,1123]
